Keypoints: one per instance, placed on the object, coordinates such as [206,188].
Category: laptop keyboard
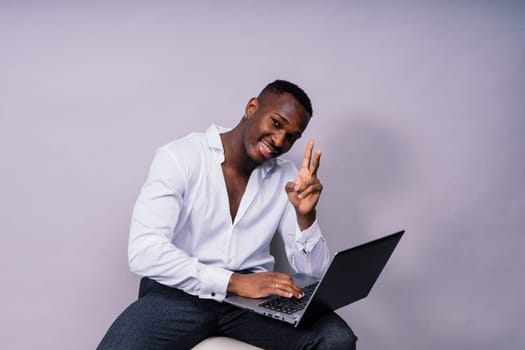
[290,305]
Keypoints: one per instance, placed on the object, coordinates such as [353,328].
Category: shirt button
[212,294]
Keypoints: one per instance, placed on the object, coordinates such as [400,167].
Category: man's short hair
[281,86]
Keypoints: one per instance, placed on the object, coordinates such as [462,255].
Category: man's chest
[217,195]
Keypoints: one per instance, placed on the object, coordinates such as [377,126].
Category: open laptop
[349,278]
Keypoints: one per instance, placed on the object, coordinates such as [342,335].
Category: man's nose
[279,139]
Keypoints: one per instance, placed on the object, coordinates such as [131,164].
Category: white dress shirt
[182,234]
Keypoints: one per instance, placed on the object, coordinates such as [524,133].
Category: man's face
[274,124]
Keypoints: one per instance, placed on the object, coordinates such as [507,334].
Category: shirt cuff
[306,240]
[214,282]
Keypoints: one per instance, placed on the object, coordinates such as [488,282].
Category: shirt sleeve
[151,252]
[307,250]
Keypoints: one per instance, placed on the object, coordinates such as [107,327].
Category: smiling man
[202,226]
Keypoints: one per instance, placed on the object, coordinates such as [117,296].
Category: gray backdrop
[419,108]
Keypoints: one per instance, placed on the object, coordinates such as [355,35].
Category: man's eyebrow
[282,117]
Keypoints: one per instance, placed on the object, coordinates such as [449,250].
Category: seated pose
[202,227]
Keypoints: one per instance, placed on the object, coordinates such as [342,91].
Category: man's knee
[336,334]
[339,338]
[345,339]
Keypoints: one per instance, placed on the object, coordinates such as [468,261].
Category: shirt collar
[215,143]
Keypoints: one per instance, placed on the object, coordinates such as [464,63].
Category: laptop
[349,278]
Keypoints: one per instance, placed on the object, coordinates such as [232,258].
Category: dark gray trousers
[167,318]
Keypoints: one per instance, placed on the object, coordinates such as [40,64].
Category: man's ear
[251,107]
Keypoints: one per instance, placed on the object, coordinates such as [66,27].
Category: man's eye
[276,123]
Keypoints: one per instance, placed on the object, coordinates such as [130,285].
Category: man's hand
[263,284]
[305,191]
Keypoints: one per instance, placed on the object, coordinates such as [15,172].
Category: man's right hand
[263,284]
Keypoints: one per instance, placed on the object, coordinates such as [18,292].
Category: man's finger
[290,187]
[313,189]
[286,289]
[316,161]
[283,283]
[308,155]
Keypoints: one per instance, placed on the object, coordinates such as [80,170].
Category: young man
[202,227]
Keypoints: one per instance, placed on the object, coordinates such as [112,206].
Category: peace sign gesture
[304,192]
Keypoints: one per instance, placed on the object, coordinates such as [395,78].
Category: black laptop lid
[352,275]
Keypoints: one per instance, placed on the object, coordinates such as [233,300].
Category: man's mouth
[266,150]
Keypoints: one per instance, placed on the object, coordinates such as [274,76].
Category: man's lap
[167,318]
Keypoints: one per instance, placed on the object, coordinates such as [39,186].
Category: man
[202,227]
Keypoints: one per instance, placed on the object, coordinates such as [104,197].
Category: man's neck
[234,152]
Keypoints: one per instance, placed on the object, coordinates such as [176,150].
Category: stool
[224,343]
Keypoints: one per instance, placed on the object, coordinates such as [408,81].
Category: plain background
[419,109]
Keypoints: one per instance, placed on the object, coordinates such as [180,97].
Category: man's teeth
[267,148]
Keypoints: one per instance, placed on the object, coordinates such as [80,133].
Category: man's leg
[329,332]
[162,318]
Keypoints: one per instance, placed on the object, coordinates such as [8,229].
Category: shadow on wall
[364,168]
